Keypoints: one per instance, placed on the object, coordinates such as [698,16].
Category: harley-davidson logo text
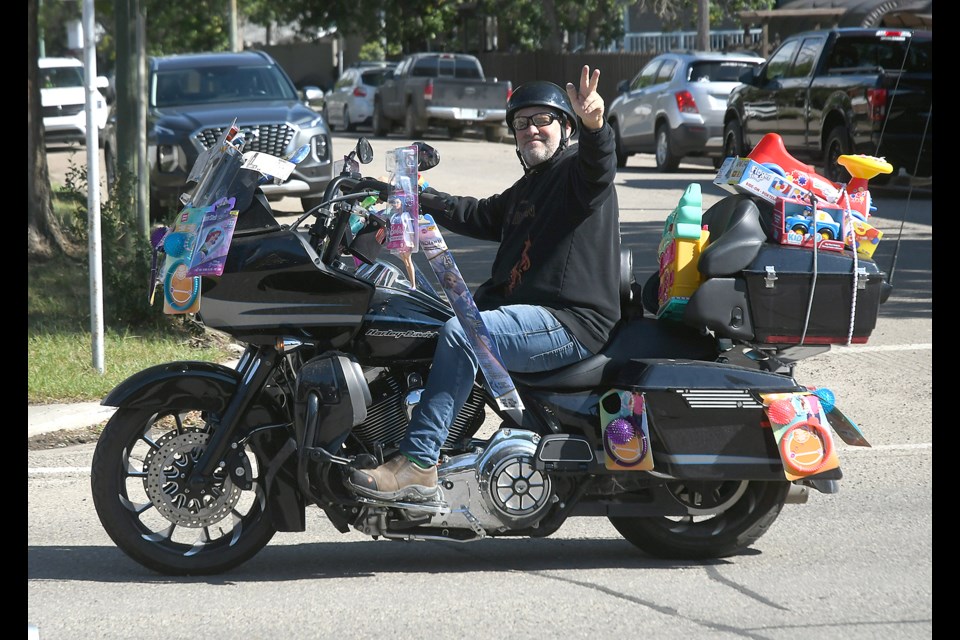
[402,334]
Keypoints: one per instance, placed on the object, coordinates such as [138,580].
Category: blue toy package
[214,236]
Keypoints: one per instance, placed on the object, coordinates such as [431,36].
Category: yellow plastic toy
[680,246]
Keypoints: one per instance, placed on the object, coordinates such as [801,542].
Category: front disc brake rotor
[167,467]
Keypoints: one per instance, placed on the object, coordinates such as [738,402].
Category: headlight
[321,151]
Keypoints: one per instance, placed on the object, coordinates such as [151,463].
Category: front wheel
[138,477]
[725,518]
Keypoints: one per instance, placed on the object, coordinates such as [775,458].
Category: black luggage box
[779,282]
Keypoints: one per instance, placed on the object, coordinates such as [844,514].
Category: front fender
[203,385]
[209,387]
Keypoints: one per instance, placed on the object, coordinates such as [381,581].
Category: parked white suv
[350,102]
[63,99]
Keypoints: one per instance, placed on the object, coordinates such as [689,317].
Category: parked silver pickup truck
[441,90]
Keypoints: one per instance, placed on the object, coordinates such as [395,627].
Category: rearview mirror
[427,156]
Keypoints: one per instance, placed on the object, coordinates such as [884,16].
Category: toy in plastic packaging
[626,434]
[403,206]
[451,281]
[214,236]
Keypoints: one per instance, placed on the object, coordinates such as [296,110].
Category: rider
[552,298]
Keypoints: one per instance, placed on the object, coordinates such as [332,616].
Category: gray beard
[533,156]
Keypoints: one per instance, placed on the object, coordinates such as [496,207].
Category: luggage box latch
[771,277]
[861,278]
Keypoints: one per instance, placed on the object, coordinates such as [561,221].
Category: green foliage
[125,253]
[370,52]
[59,338]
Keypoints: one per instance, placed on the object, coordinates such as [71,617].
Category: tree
[43,231]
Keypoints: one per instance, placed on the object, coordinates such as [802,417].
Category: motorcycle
[678,432]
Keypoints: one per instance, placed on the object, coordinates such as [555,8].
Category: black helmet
[540,92]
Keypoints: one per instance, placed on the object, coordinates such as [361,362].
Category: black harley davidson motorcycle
[202,463]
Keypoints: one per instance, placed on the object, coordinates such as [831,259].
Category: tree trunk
[43,232]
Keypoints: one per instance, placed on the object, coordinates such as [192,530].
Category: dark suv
[192,98]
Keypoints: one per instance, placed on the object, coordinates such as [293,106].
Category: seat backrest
[736,235]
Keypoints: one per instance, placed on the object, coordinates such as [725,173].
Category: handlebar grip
[382,188]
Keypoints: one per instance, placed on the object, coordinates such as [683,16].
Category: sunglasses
[537,119]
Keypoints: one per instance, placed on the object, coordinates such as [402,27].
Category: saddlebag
[706,419]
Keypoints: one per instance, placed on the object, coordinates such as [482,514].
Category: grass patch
[60,340]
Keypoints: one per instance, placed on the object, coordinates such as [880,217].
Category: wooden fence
[563,68]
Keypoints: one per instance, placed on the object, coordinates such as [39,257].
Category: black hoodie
[559,232]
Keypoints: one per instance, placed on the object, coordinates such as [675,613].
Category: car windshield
[718,70]
[60,77]
[202,85]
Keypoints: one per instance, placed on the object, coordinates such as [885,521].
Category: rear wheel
[412,128]
[666,160]
[347,124]
[622,155]
[154,516]
[733,144]
[381,125]
[838,144]
[725,518]
[493,133]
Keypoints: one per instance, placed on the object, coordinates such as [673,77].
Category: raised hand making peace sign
[587,102]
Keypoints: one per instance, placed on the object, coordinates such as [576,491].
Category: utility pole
[703,25]
[234,40]
[93,188]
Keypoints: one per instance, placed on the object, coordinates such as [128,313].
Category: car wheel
[666,161]
[380,123]
[799,228]
[838,144]
[347,123]
[733,144]
[622,155]
[309,203]
[454,131]
[493,134]
[110,163]
[411,128]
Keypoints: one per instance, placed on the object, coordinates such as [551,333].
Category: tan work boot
[396,479]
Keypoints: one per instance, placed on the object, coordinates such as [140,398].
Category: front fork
[255,368]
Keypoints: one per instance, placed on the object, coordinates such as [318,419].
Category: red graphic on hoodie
[516,274]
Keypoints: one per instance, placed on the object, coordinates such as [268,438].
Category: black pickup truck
[841,91]
[441,90]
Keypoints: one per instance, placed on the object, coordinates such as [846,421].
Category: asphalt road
[854,565]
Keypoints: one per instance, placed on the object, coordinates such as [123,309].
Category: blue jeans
[529,339]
